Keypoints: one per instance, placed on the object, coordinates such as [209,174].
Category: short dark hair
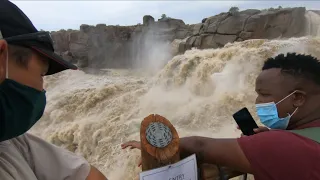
[21,55]
[296,65]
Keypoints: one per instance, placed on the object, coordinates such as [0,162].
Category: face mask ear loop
[286,97]
[7,69]
[294,112]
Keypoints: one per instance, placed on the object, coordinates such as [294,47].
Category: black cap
[16,28]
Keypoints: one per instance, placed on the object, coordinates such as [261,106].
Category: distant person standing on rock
[27,55]
[288,102]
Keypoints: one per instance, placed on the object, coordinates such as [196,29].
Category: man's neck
[303,122]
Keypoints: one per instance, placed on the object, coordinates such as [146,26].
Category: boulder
[147,19]
[274,24]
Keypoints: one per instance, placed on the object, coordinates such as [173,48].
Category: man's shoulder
[17,145]
[281,149]
[22,144]
[279,144]
[19,142]
[16,142]
[35,152]
[13,156]
[278,137]
[283,136]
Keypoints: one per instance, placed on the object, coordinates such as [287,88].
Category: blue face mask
[268,114]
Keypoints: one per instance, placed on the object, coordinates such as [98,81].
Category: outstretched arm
[224,152]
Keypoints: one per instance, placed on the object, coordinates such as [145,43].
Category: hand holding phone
[245,121]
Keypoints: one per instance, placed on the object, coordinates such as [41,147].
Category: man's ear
[299,98]
[3,58]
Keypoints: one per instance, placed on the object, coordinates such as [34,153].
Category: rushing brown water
[197,91]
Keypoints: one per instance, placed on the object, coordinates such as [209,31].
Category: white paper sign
[185,169]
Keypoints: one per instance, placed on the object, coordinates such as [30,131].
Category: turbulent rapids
[92,114]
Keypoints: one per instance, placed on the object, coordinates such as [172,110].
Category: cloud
[55,15]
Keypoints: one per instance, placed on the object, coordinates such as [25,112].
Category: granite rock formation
[155,42]
[223,28]
[103,46]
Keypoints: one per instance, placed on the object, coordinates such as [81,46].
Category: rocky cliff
[154,42]
[218,30]
[119,46]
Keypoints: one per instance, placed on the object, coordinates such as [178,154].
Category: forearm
[95,174]
[199,146]
[192,145]
[210,171]
[222,152]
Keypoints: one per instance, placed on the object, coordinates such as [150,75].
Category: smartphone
[245,121]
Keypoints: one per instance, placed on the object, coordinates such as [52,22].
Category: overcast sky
[56,15]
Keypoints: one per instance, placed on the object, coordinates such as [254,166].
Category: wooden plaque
[159,142]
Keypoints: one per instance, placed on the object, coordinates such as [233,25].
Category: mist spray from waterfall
[151,52]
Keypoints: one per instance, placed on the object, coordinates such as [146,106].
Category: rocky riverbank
[103,46]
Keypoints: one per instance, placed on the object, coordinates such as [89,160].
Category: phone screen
[245,121]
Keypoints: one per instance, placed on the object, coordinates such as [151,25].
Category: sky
[59,14]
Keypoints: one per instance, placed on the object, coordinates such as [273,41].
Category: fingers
[131,144]
[140,163]
[241,135]
[256,130]
[261,129]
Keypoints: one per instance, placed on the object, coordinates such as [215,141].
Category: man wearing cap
[26,55]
